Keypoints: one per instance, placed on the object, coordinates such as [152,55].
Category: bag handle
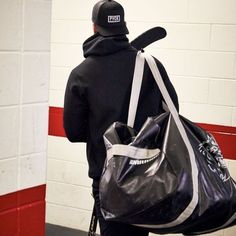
[136,87]
[158,78]
[132,112]
[137,82]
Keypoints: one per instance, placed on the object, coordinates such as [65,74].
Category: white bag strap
[136,87]
[190,208]
[157,76]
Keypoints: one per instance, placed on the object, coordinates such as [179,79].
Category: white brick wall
[212,11]
[199,54]
[24,81]
[234,117]
[10,70]
[34,129]
[9,139]
[11,25]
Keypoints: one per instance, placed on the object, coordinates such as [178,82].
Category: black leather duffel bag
[170,177]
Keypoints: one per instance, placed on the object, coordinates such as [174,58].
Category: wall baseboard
[57,230]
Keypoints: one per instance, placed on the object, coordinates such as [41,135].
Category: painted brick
[222,92]
[32,170]
[72,9]
[59,77]
[156,10]
[66,55]
[232,168]
[19,23]
[69,217]
[235,69]
[56,98]
[34,129]
[205,113]
[196,63]
[10,25]
[9,126]
[212,11]
[36,77]
[24,212]
[8,201]
[37,28]
[68,172]
[234,117]
[55,127]
[166,11]
[191,89]
[69,31]
[32,219]
[10,71]
[31,195]
[8,176]
[69,195]
[8,222]
[179,36]
[61,149]
[223,37]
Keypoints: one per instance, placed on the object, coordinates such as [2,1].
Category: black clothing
[98,93]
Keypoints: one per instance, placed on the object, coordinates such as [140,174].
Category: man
[98,93]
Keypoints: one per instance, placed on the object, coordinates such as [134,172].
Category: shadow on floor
[56,230]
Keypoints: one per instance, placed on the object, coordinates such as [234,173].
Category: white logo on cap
[114,19]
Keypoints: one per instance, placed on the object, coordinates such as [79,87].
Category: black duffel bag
[170,177]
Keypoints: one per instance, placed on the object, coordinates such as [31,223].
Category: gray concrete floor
[55,230]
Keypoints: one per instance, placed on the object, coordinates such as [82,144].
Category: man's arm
[75,117]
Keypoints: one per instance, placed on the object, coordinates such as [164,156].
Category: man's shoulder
[81,67]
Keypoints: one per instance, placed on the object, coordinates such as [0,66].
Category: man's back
[98,93]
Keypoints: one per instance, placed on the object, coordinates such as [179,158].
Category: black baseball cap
[109,18]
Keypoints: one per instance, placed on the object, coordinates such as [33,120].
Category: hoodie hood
[98,45]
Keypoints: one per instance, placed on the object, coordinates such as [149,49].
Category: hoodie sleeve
[169,86]
[75,117]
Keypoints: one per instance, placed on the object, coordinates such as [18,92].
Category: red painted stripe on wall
[22,213]
[218,128]
[225,135]
[55,127]
[227,143]
[226,138]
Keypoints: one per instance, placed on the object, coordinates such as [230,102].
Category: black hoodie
[98,93]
